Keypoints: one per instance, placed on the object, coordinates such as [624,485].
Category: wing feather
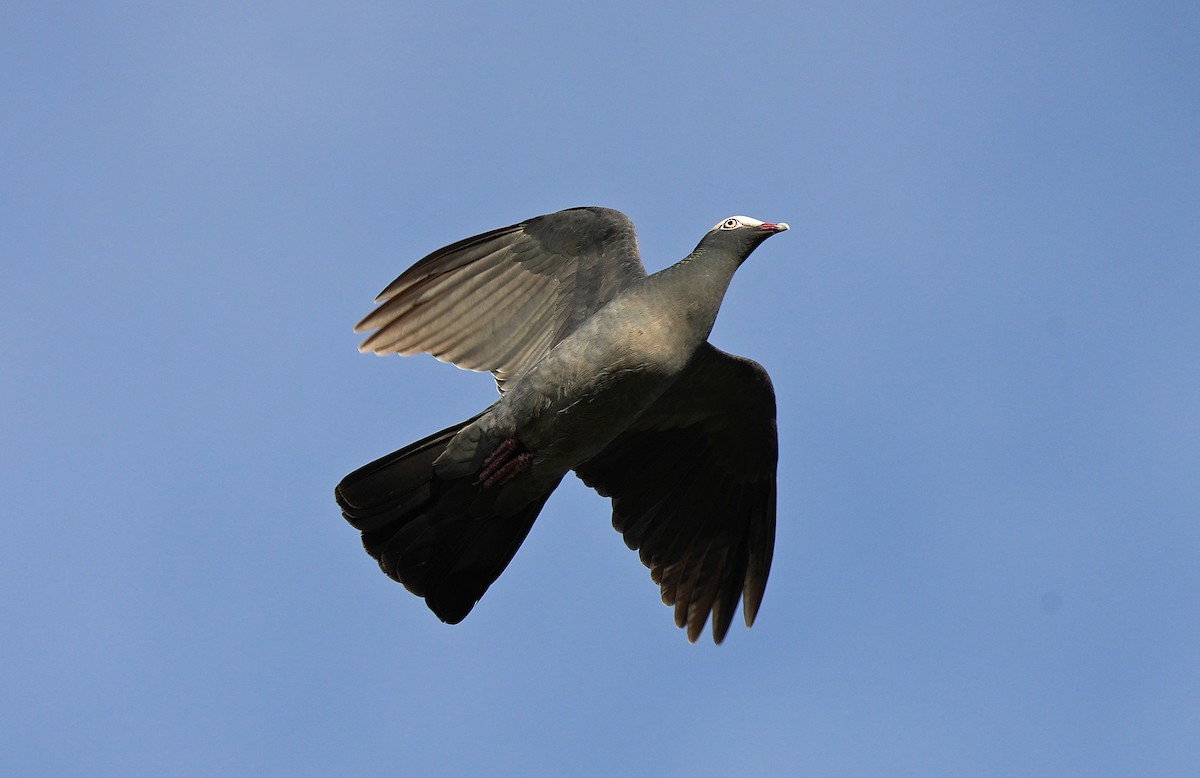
[500,300]
[693,489]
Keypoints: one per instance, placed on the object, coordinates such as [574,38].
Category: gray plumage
[603,370]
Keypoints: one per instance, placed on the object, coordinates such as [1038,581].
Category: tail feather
[375,494]
[441,538]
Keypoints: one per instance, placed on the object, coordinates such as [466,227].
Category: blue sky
[982,329]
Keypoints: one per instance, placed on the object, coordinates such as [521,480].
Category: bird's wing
[499,301]
[693,489]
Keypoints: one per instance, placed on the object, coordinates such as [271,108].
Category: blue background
[982,328]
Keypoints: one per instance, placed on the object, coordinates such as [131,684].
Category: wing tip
[750,603]
[367,347]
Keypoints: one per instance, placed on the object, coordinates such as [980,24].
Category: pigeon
[603,370]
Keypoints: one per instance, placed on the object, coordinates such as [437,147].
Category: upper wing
[693,487]
[501,300]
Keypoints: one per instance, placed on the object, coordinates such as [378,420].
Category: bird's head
[739,234]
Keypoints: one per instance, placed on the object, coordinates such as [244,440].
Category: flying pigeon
[602,369]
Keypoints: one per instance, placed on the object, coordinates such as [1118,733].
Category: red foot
[503,464]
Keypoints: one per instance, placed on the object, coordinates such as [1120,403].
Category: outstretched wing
[693,489]
[499,301]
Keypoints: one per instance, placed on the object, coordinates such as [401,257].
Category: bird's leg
[496,459]
[503,464]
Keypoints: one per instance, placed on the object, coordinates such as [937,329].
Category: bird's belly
[601,411]
[591,387]
[571,420]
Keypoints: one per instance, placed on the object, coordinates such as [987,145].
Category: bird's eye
[731,224]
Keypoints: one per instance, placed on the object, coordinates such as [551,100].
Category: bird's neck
[697,283]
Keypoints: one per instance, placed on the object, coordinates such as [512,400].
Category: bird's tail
[441,538]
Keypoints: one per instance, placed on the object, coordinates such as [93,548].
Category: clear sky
[983,329]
